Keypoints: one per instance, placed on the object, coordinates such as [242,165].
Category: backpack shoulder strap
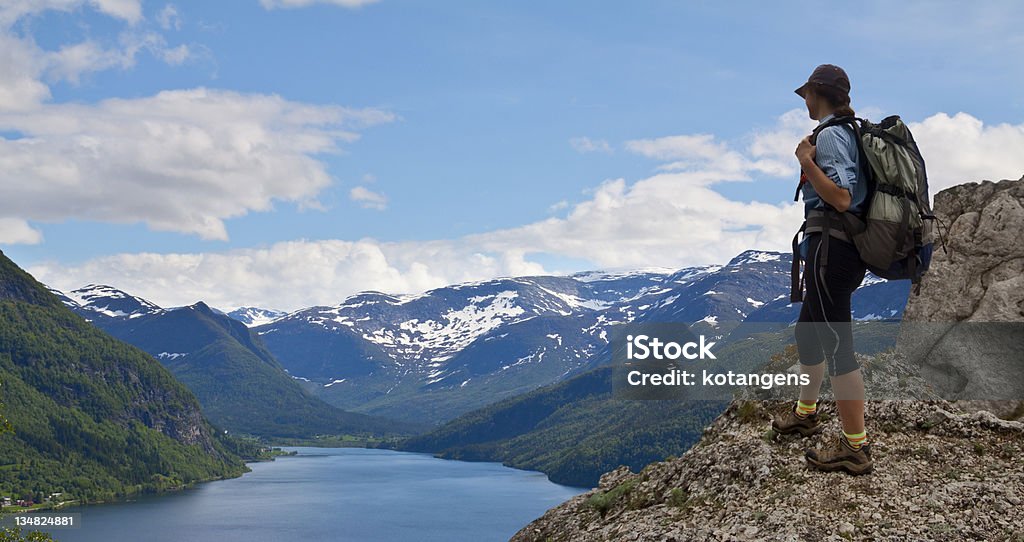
[853,122]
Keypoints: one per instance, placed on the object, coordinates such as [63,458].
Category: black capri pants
[824,330]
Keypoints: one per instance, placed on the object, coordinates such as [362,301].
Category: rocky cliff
[966,328]
[943,470]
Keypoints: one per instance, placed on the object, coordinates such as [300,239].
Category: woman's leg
[809,348]
[802,417]
[812,359]
[851,410]
[844,273]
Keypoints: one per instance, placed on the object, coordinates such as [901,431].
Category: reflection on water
[336,494]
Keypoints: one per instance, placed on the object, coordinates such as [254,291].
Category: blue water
[335,494]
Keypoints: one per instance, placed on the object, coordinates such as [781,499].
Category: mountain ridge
[91,414]
[440,353]
[240,384]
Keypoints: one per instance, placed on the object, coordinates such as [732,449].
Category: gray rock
[965,330]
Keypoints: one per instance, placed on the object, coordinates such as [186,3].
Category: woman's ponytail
[845,111]
[837,99]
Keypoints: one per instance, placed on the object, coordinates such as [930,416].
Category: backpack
[894,232]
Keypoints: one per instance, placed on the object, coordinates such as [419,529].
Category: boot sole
[804,431]
[851,468]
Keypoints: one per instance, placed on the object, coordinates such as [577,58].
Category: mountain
[239,383]
[573,430]
[438,354]
[93,417]
[577,429]
[447,351]
[101,301]
[431,357]
[254,316]
[941,474]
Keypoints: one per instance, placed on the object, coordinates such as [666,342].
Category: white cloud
[368,199]
[670,219]
[20,70]
[176,55]
[129,10]
[26,68]
[585,144]
[168,18]
[665,220]
[701,152]
[71,61]
[778,143]
[289,275]
[181,160]
[126,10]
[555,207]
[16,231]
[961,148]
[673,218]
[287,4]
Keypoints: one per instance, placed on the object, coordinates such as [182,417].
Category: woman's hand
[805,151]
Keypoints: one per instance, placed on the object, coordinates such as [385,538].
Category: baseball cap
[829,75]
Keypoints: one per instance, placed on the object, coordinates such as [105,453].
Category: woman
[831,182]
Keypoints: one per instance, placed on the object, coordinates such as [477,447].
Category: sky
[289,153]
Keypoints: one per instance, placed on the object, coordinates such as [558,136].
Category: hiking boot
[789,422]
[840,456]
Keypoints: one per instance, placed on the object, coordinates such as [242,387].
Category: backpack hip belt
[817,221]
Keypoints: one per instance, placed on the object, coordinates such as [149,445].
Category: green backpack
[894,233]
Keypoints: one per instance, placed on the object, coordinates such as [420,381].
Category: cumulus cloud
[16,231]
[701,152]
[12,10]
[368,199]
[181,160]
[585,145]
[962,148]
[957,148]
[670,219]
[26,69]
[673,218]
[289,275]
[286,4]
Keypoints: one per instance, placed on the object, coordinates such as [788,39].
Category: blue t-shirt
[836,154]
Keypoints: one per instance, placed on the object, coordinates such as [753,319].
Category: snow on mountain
[755,256]
[416,331]
[110,302]
[255,316]
[436,354]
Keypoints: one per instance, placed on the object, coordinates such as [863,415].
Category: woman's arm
[839,198]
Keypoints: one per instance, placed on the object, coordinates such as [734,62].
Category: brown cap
[828,75]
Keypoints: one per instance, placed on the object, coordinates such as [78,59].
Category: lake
[335,494]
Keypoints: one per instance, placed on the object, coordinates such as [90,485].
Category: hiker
[832,179]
